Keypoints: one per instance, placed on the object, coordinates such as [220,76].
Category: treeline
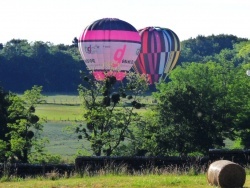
[201,48]
[56,67]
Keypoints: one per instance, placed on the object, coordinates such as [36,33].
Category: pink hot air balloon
[109,46]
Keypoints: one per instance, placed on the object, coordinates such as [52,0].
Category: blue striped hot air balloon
[159,52]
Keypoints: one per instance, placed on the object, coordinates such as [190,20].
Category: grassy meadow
[59,112]
[60,108]
[145,181]
[68,107]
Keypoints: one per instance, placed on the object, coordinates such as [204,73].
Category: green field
[68,108]
[59,112]
[140,181]
[62,142]
[62,99]
[60,108]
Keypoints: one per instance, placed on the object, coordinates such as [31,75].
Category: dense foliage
[20,127]
[55,67]
[19,124]
[203,105]
[201,48]
[109,111]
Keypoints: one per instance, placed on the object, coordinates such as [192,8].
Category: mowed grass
[68,108]
[59,112]
[63,99]
[60,108]
[145,181]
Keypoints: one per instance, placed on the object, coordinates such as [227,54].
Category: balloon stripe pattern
[109,45]
[107,35]
[159,53]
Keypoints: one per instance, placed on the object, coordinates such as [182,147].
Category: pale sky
[59,21]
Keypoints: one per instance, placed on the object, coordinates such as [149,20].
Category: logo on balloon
[119,55]
[128,61]
[92,49]
[89,60]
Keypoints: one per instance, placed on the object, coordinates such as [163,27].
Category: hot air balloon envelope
[109,46]
[159,52]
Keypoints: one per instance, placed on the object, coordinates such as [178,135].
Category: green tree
[3,123]
[75,42]
[20,124]
[55,67]
[38,154]
[201,48]
[40,50]
[109,111]
[242,88]
[34,96]
[198,109]
[243,51]
[16,47]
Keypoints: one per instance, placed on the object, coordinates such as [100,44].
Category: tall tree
[19,123]
[109,111]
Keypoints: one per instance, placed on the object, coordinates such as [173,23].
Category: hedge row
[136,163]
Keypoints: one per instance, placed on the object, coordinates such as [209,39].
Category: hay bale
[224,173]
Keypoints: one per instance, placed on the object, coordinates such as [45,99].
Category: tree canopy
[56,67]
